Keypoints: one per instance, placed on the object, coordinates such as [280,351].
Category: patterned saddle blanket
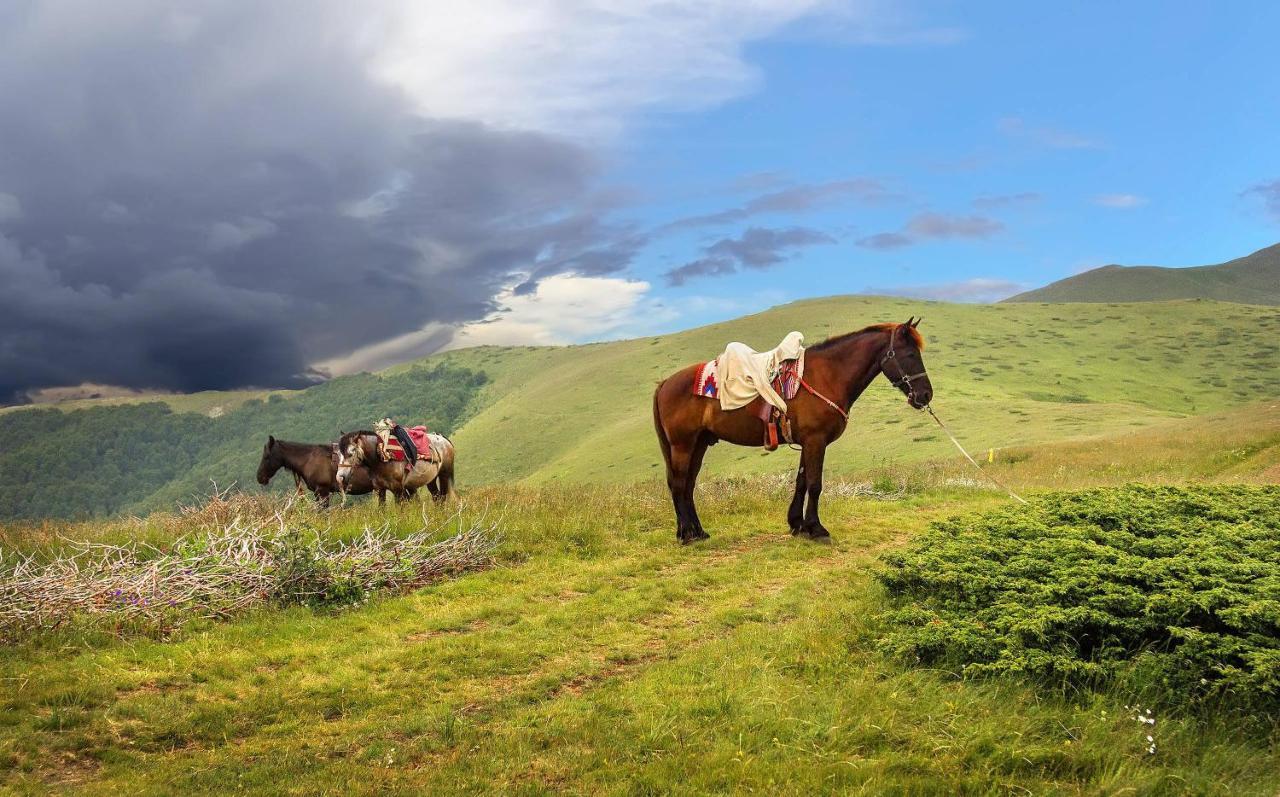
[392,450]
[706,381]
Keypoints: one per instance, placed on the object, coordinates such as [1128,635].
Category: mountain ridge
[1252,279]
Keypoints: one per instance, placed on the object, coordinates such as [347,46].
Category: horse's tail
[663,440]
[444,479]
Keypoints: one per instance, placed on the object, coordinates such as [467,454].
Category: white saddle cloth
[745,373]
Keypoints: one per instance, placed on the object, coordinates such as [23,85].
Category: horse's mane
[836,340]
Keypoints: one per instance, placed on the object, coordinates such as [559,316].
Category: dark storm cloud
[788,200]
[1269,193]
[215,195]
[933,226]
[757,247]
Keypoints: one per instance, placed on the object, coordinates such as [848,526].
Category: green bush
[1177,589]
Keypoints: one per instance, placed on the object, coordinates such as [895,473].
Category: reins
[974,462]
[830,403]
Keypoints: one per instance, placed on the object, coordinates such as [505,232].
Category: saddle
[706,383]
[392,449]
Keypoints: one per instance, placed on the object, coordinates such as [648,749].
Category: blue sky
[230,193]
[1085,134]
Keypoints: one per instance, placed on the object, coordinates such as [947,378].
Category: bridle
[903,377]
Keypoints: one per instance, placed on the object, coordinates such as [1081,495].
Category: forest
[136,458]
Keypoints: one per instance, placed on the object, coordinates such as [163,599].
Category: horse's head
[351,453]
[903,365]
[271,460]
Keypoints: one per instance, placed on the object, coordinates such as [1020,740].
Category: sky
[215,195]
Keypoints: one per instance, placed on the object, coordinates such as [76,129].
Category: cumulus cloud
[579,66]
[1269,193]
[228,193]
[565,308]
[979,289]
[933,226]
[1045,135]
[1119,201]
[756,248]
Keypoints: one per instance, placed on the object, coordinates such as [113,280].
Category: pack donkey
[360,450]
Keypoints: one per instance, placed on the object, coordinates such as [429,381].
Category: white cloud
[566,308]
[410,346]
[1119,201]
[581,67]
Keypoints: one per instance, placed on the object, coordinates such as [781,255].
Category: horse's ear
[271,439]
[909,322]
[916,323]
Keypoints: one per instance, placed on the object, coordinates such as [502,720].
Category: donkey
[358,450]
[836,372]
[312,464]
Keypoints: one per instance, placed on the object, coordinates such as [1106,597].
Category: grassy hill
[1253,279]
[1004,375]
[601,658]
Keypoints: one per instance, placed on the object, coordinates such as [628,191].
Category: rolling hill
[1004,375]
[1253,279]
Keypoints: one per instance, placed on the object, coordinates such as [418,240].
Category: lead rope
[993,479]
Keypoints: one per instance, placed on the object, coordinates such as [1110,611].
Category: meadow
[598,657]
[1005,376]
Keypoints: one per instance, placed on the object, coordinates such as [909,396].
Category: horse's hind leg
[444,482]
[681,486]
[695,465]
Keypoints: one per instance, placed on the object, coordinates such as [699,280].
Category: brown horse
[358,450]
[836,372]
[312,464]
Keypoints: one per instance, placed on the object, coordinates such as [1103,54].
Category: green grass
[601,658]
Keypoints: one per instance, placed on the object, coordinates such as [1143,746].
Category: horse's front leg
[811,465]
[382,496]
[795,513]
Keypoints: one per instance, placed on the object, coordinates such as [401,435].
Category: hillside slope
[1004,375]
[1253,279]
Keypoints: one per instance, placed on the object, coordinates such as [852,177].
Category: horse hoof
[697,536]
[818,535]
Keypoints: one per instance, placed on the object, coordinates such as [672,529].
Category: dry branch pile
[241,560]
